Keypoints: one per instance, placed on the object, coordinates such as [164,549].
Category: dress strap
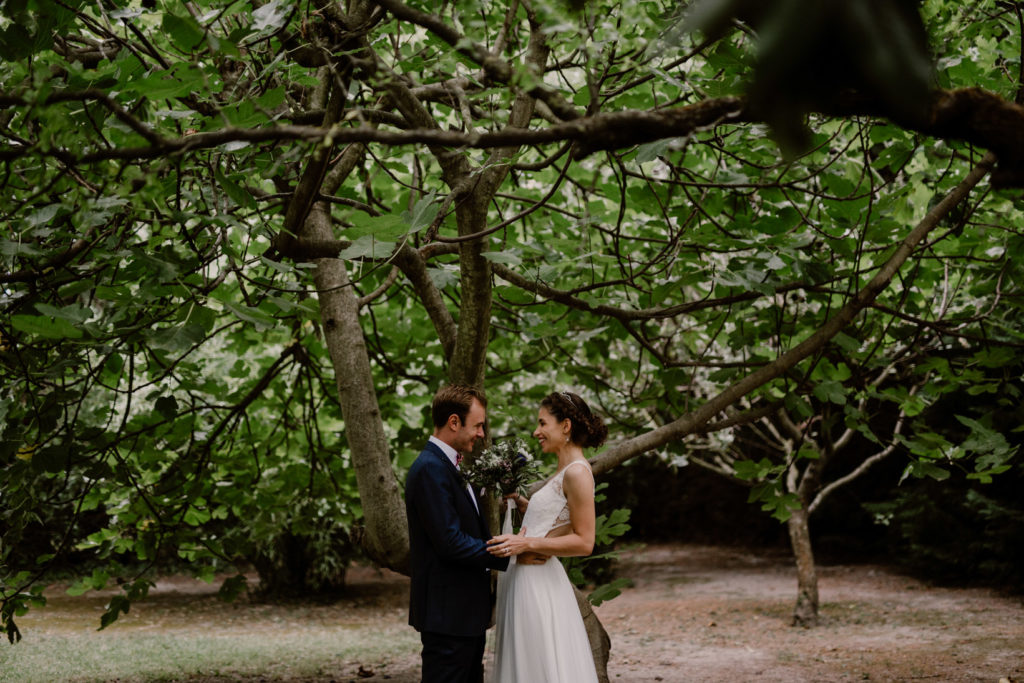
[577,462]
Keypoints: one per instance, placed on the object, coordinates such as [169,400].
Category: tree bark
[806,611]
[386,534]
[804,484]
[468,360]
[600,642]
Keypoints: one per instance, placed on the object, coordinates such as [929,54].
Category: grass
[182,632]
[176,656]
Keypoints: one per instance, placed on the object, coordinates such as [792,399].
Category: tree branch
[696,420]
[497,69]
[971,115]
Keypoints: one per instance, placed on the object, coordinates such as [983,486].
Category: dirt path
[694,614]
[713,614]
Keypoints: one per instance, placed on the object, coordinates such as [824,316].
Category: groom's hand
[531,558]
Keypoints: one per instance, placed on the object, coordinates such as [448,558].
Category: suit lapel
[459,480]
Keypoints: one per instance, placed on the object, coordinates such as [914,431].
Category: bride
[540,635]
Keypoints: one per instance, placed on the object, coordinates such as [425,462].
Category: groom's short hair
[454,399]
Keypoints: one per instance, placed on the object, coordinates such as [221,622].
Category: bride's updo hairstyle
[587,429]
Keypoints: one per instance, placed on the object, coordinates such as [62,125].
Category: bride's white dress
[539,633]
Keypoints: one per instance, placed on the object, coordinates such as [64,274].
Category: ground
[694,613]
[714,614]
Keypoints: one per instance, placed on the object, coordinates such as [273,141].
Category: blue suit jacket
[450,592]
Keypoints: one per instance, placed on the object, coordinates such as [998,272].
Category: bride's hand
[521,501]
[507,545]
[530,557]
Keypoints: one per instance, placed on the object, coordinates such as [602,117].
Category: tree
[853,416]
[215,207]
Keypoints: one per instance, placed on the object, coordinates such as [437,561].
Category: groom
[450,596]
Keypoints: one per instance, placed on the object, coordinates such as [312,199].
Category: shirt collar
[445,448]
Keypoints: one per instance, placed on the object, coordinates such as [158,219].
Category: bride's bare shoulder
[578,473]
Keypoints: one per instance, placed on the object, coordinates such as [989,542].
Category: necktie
[458,459]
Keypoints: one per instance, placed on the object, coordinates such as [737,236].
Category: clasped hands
[507,545]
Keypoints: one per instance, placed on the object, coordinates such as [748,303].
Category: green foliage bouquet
[507,466]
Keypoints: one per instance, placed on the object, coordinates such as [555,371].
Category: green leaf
[50,328]
[42,216]
[986,476]
[269,17]
[238,194]
[830,391]
[11,248]
[183,31]
[196,516]
[921,469]
[73,313]
[508,258]
[50,459]
[423,213]
[95,581]
[608,591]
[651,150]
[387,228]
[118,605]
[176,338]
[15,44]
[250,315]
[167,406]
[177,82]
[232,587]
[748,469]
[271,99]
[846,342]
[366,246]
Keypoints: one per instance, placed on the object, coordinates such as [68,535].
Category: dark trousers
[452,659]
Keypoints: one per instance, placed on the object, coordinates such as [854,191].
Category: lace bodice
[548,508]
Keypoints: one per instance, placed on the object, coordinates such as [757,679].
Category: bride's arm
[578,485]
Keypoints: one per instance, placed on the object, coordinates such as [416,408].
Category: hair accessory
[568,397]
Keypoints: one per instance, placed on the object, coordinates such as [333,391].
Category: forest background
[772,243]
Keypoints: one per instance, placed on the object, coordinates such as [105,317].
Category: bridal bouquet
[506,466]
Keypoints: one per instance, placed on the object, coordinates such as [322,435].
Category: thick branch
[414,265]
[971,115]
[622,314]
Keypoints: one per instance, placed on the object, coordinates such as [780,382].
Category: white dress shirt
[453,455]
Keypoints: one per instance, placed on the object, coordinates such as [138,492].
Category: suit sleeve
[434,497]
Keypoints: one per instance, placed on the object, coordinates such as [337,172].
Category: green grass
[183,632]
[268,654]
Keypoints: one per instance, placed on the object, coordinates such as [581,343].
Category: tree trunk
[600,643]
[385,535]
[806,611]
[386,538]
[468,361]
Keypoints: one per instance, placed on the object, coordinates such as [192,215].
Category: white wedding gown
[539,633]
